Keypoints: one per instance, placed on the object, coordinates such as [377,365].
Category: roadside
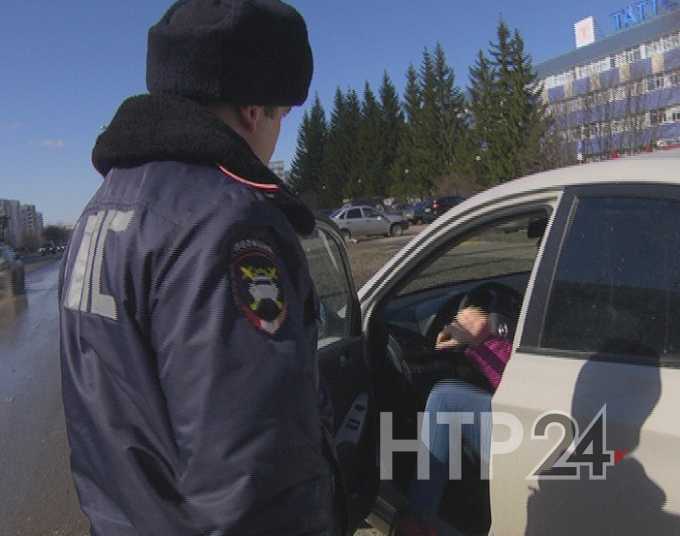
[36,262]
[44,428]
[10,304]
[368,255]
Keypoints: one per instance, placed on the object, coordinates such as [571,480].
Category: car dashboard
[413,321]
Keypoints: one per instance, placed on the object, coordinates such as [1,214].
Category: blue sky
[67,65]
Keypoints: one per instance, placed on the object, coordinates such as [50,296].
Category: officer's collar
[150,128]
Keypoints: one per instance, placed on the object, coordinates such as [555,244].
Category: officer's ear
[250,117]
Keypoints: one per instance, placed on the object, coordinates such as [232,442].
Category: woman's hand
[471,326]
[452,336]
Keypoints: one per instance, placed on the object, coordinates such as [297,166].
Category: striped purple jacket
[491,357]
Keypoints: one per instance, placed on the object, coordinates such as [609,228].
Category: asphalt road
[37,497]
[36,492]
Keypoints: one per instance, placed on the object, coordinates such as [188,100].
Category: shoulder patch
[256,284]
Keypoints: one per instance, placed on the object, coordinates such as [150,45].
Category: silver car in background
[360,220]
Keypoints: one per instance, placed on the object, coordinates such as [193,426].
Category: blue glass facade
[619,93]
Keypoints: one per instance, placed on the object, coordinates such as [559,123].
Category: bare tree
[30,241]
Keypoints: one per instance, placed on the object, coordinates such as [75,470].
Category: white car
[586,428]
[665,143]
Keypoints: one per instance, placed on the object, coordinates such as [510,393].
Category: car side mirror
[536,227]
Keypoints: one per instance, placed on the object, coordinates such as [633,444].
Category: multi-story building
[622,92]
[278,167]
[10,210]
[32,221]
[20,224]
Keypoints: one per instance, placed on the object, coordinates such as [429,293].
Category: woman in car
[489,352]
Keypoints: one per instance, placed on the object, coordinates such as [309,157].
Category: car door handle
[344,361]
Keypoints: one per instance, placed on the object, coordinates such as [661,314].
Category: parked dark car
[47,249]
[406,210]
[441,204]
[11,273]
[422,212]
[429,210]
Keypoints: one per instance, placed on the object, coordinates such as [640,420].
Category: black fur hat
[238,51]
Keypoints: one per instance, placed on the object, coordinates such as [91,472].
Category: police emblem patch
[257,287]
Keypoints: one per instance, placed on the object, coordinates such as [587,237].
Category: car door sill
[390,501]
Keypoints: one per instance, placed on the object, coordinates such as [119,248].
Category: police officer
[188,316]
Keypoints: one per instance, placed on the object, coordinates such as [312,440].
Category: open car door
[345,369]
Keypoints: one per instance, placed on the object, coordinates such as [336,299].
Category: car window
[354,213]
[617,283]
[370,213]
[498,249]
[332,285]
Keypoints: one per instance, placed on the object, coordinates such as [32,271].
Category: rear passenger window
[617,284]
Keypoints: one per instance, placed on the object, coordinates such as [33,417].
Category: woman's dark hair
[482,298]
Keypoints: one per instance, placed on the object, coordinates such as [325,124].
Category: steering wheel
[396,355]
[502,302]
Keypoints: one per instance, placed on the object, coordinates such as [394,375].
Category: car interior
[499,257]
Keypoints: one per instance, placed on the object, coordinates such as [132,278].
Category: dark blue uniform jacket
[188,337]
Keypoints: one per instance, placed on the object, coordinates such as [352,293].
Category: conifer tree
[392,128]
[429,160]
[405,176]
[417,163]
[527,111]
[306,174]
[503,144]
[413,100]
[371,146]
[352,157]
[334,169]
[516,127]
[483,109]
[342,158]
[450,111]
